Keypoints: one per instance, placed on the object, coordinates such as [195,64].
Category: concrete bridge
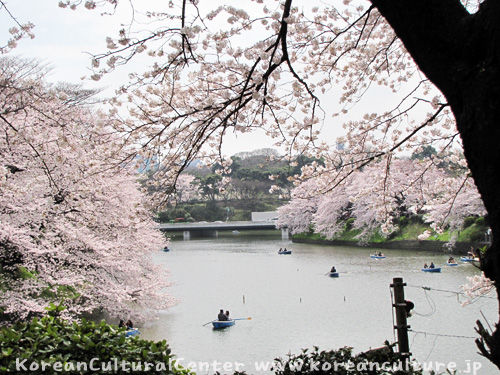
[204,229]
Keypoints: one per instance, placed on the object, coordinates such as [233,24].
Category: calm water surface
[293,305]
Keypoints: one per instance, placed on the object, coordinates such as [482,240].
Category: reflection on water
[293,304]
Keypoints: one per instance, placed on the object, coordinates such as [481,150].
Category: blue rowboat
[451,264]
[333,274]
[166,249]
[223,324]
[467,259]
[436,269]
[377,256]
[285,252]
[132,332]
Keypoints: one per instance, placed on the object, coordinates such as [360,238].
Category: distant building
[265,216]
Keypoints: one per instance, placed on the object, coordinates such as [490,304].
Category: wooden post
[401,323]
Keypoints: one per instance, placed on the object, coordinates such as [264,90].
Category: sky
[64,39]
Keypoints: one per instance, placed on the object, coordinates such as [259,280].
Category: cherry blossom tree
[379,194]
[186,189]
[217,68]
[477,287]
[297,215]
[17,32]
[74,227]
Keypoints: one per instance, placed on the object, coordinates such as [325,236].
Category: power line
[441,334]
[431,303]
[428,288]
[433,307]
[399,302]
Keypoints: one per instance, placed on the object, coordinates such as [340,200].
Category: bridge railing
[228,225]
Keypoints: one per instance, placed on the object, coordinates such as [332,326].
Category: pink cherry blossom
[71,211]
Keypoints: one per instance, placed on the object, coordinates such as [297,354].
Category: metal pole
[401,323]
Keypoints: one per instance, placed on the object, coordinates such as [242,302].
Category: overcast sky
[64,39]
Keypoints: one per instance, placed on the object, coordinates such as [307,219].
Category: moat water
[293,305]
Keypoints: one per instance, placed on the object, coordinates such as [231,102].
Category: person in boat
[451,260]
[333,269]
[222,317]
[379,253]
[477,254]
[130,324]
[432,265]
[121,324]
[470,254]
[227,314]
[426,266]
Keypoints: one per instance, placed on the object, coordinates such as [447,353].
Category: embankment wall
[461,248]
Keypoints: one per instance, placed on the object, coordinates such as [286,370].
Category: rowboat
[333,274]
[223,324]
[375,256]
[285,252]
[436,269]
[132,332]
[451,264]
[166,249]
[467,259]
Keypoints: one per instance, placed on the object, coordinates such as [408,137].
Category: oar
[249,318]
[209,322]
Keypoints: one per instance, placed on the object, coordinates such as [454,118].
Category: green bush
[240,215]
[417,219]
[343,362]
[403,221]
[481,222]
[310,235]
[472,234]
[349,223]
[468,221]
[52,345]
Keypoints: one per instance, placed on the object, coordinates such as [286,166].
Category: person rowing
[222,317]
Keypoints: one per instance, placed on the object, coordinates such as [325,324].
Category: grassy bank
[474,230]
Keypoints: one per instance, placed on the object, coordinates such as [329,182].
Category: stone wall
[461,248]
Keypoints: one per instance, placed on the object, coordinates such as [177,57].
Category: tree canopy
[377,206]
[74,226]
[286,68]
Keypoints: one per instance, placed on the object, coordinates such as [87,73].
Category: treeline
[203,194]
[422,197]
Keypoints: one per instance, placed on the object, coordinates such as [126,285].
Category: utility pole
[401,315]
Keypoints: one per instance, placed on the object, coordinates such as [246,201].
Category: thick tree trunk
[460,54]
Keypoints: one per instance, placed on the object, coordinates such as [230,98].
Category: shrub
[481,221]
[60,345]
[343,362]
[468,221]
[403,221]
[417,219]
[349,223]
